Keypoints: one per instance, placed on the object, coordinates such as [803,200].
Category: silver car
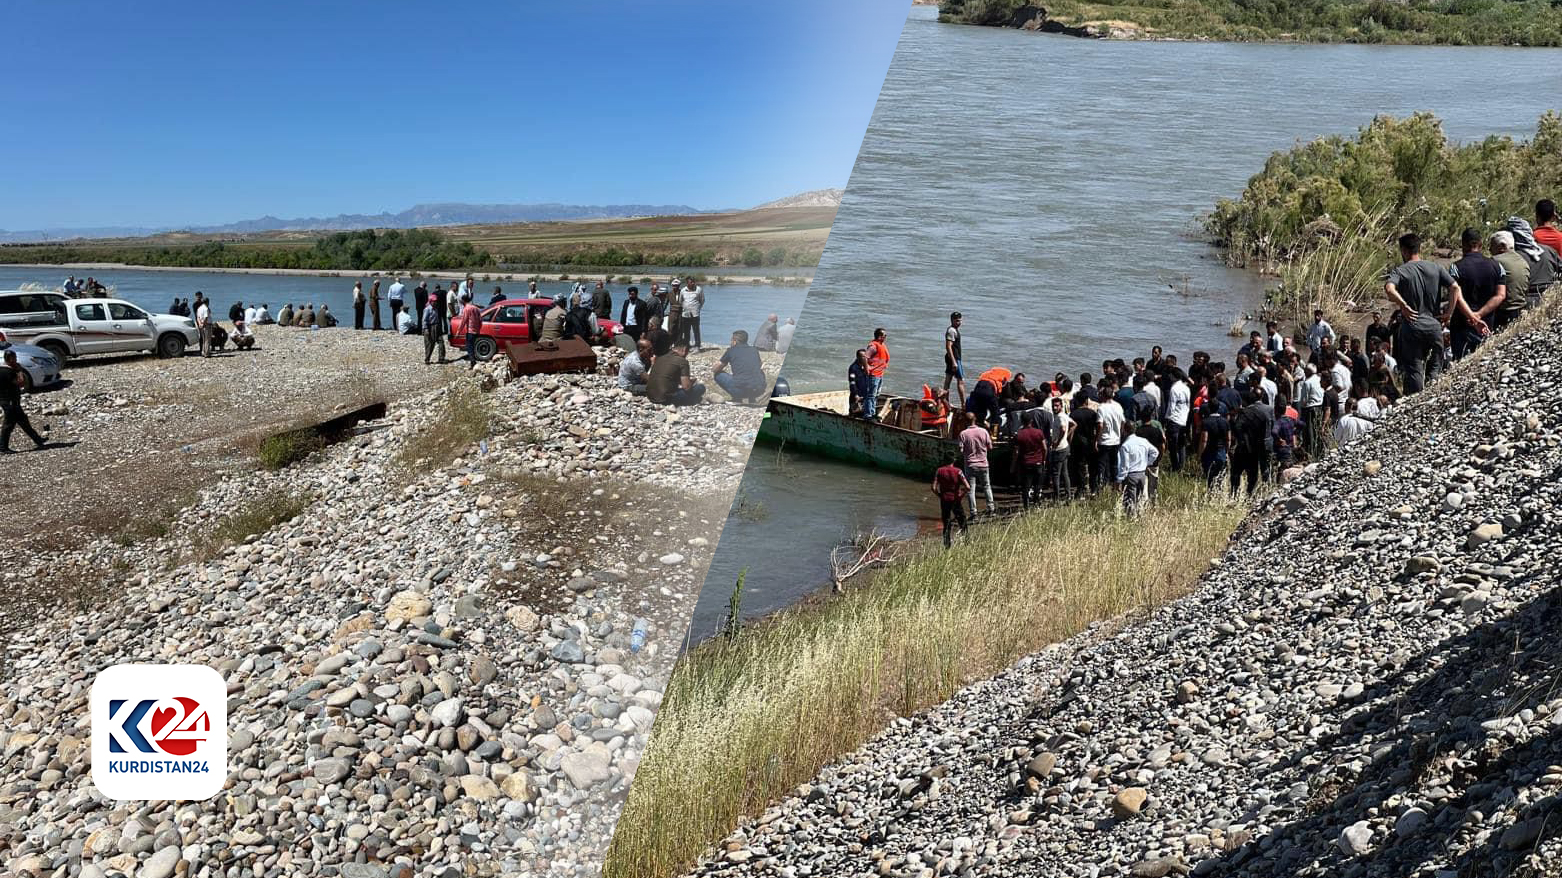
[39,367]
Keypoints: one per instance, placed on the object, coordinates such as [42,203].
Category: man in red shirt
[471,323]
[1546,231]
[950,484]
[878,361]
[1030,456]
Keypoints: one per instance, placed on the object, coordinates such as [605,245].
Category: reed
[748,718]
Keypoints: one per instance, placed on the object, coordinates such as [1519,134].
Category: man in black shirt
[747,381]
[11,380]
[1084,459]
[1484,285]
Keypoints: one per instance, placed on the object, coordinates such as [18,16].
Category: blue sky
[204,113]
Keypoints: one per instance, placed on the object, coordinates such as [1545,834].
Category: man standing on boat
[878,361]
[954,369]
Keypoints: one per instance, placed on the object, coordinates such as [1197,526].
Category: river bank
[749,718]
[427,633]
[1361,685]
[796,278]
[1526,24]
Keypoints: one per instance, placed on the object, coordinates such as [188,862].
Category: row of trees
[417,249]
[1324,216]
[1397,174]
[1449,22]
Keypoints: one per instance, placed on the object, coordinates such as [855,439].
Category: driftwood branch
[861,552]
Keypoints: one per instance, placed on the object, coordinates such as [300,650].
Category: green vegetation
[749,717]
[620,257]
[1446,22]
[1325,214]
[462,418]
[365,250]
[285,449]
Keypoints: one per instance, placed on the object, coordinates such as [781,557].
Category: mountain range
[441,214]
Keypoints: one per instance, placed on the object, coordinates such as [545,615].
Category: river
[727,306]
[1048,187]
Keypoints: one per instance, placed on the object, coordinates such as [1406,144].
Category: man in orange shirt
[878,361]
[1546,231]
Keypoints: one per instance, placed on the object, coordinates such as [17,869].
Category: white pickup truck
[70,327]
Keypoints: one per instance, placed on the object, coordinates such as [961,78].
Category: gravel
[433,668]
[1366,684]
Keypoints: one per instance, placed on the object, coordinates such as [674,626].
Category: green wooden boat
[818,424]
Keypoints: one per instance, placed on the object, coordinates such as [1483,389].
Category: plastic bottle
[637,636]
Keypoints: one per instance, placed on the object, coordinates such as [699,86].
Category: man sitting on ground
[668,382]
[632,371]
[243,338]
[285,316]
[747,381]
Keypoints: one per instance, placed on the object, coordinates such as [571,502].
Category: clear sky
[184,113]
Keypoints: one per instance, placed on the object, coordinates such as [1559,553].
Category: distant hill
[417,216]
[442,214]
[811,198]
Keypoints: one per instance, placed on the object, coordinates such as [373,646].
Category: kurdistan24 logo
[159,732]
[174,726]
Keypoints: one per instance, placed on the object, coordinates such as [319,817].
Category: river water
[1048,187]
[727,307]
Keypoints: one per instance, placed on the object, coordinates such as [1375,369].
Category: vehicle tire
[60,352]
[486,348]
[171,346]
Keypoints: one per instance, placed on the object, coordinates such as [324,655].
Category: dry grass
[1337,275]
[254,517]
[749,718]
[464,416]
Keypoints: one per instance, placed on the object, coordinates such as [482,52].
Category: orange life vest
[939,416]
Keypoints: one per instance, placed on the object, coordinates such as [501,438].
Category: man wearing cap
[954,370]
[674,321]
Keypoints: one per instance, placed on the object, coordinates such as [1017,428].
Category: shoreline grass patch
[463,416]
[750,717]
[254,517]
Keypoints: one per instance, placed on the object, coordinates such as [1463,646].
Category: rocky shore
[441,665]
[1366,684]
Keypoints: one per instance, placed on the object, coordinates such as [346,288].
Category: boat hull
[817,424]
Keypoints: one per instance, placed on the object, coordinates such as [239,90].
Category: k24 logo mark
[175,726]
[159,732]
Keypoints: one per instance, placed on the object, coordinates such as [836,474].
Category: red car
[516,321]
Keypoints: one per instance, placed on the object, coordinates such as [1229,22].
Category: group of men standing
[1258,421]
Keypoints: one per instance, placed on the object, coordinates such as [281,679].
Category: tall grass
[749,718]
[1337,274]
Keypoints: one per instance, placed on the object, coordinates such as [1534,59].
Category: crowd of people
[1281,402]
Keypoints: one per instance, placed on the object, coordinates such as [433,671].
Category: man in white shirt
[1339,375]
[1061,440]
[1309,400]
[1319,331]
[632,371]
[1266,386]
[1179,406]
[1134,459]
[397,295]
[1367,407]
[693,298]
[1110,435]
[251,315]
[203,322]
[263,316]
[1352,426]
[784,335]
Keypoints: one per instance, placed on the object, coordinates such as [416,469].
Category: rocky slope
[432,667]
[1369,683]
